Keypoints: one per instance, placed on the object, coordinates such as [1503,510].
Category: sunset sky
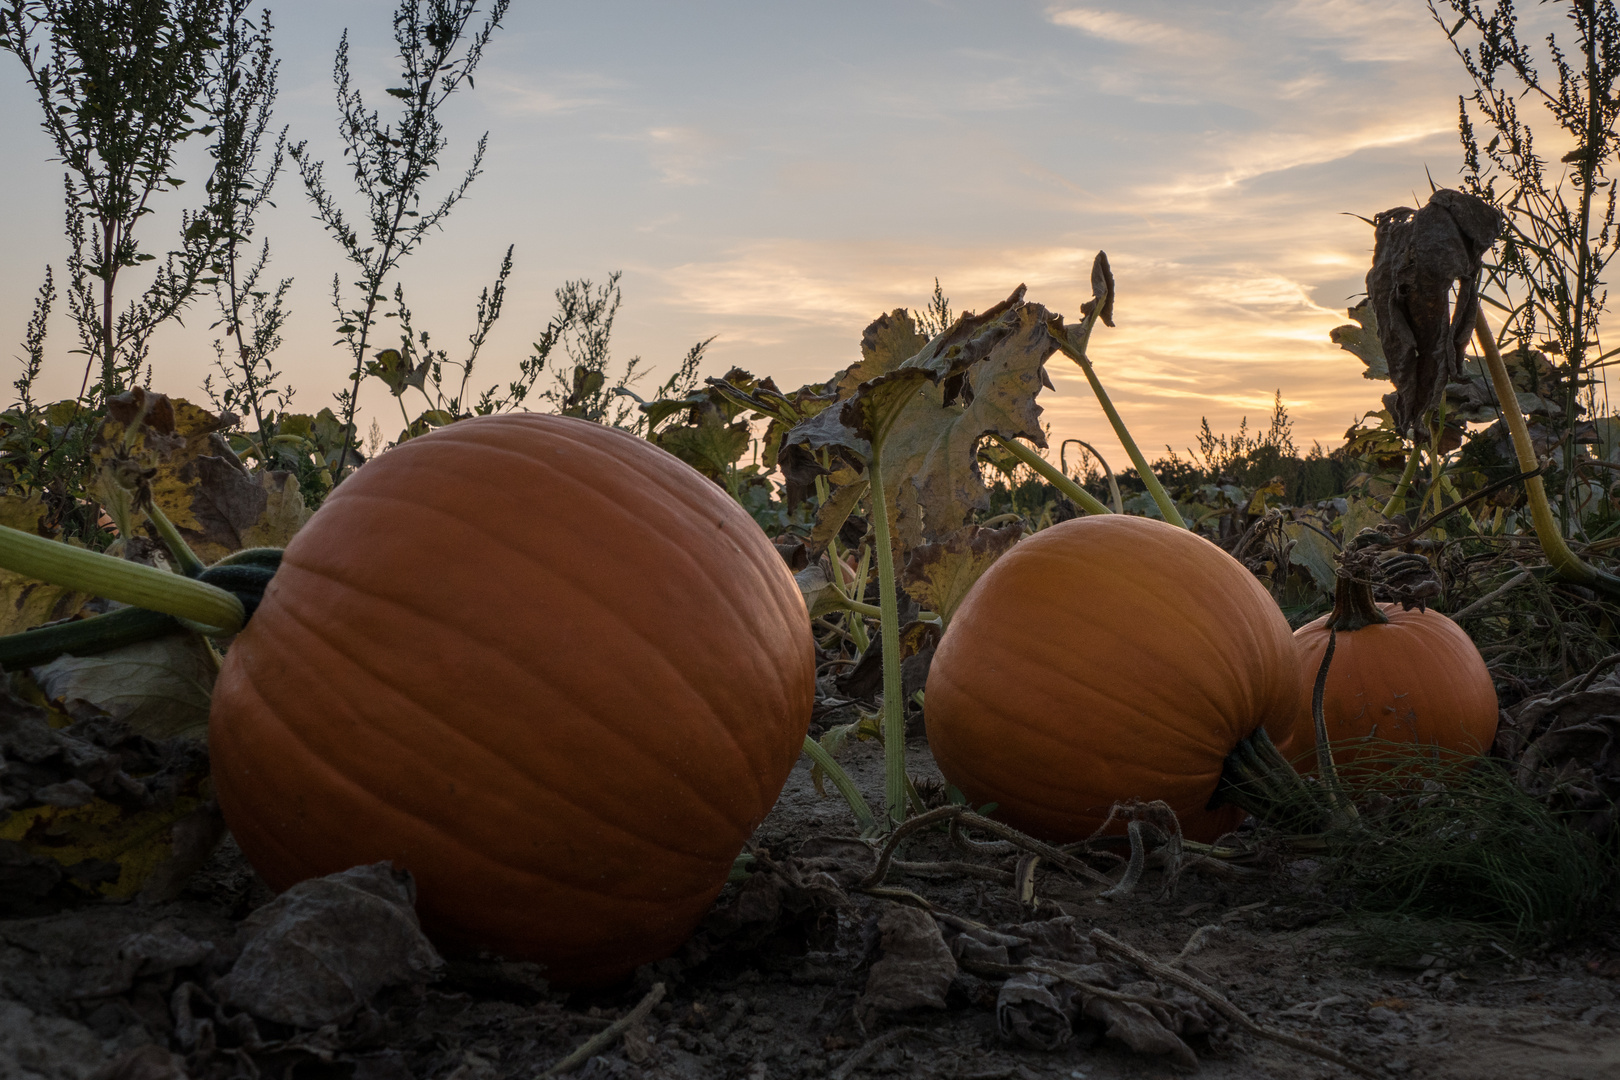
[777,174]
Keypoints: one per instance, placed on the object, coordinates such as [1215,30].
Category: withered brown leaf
[1418,255]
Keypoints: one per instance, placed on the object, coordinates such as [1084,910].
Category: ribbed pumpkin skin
[543,665]
[1416,679]
[1104,659]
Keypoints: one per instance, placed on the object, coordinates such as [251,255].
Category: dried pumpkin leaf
[939,575]
[821,596]
[160,688]
[889,341]
[979,377]
[1362,341]
[1418,256]
[930,461]
[214,501]
[25,602]
[116,848]
[833,513]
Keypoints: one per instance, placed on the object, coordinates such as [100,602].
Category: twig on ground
[1199,937]
[1104,940]
[987,967]
[1591,677]
[961,815]
[609,1035]
[1501,590]
[952,869]
[868,1050]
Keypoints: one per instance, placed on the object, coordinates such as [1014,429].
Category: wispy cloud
[681,155]
[516,94]
[1126,29]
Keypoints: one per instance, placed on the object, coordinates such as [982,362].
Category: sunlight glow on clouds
[778,175]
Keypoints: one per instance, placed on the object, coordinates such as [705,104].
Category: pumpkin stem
[185,560]
[1397,498]
[246,579]
[894,706]
[130,583]
[1072,343]
[1343,809]
[1353,603]
[846,787]
[1566,562]
[240,577]
[1256,777]
[1053,475]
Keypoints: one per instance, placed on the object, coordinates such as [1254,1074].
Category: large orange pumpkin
[1105,659]
[1396,676]
[541,664]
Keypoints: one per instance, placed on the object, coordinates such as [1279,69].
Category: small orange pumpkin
[541,664]
[1105,659]
[1396,676]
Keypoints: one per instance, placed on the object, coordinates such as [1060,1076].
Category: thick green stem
[127,582]
[894,706]
[846,786]
[1563,560]
[185,560]
[84,637]
[1053,475]
[1397,498]
[1156,489]
[860,608]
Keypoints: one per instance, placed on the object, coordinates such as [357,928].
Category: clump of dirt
[955,959]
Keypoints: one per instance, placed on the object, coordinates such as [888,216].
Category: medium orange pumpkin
[1104,659]
[1396,676]
[541,664]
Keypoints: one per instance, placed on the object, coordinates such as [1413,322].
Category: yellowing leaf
[135,841]
[939,575]
[214,501]
[25,602]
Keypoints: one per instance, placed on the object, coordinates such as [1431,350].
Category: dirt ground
[783,982]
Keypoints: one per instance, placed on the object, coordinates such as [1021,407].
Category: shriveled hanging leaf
[1102,290]
[1417,257]
[939,575]
[160,688]
[24,602]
